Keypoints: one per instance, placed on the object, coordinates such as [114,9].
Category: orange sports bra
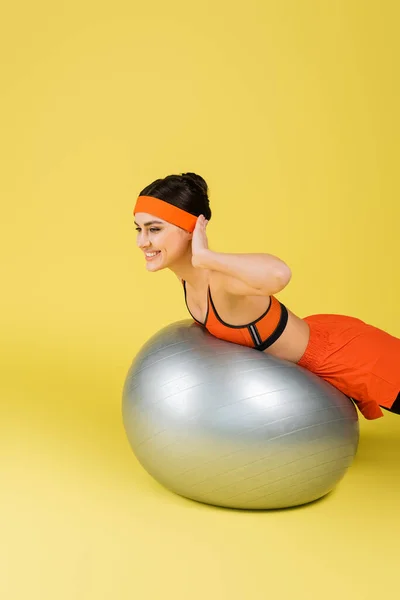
[260,334]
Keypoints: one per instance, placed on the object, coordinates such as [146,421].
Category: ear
[189,234]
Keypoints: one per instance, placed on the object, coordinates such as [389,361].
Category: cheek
[181,245]
[175,244]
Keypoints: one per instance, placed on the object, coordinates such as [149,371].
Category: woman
[233,296]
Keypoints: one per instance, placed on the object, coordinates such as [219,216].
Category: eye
[152,229]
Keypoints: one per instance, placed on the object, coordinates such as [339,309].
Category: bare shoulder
[236,302]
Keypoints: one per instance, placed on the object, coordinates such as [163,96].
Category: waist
[294,340]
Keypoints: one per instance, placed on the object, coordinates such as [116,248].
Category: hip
[360,359]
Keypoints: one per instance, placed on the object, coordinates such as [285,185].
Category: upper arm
[237,287]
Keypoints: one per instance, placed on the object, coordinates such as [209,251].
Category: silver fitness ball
[231,426]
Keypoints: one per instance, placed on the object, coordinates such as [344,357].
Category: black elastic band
[278,331]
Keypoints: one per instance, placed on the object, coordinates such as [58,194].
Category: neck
[197,278]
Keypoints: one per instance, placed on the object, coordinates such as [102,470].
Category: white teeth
[149,254]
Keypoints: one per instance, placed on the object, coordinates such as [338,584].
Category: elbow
[279,281]
[283,277]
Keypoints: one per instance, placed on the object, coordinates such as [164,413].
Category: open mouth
[152,255]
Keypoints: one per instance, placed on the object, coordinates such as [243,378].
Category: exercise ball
[231,426]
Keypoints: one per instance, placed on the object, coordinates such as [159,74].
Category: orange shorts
[360,360]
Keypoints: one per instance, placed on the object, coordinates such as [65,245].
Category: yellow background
[290,112]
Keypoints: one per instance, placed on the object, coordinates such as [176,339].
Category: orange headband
[167,212]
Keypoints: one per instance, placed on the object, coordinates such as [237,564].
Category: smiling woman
[233,297]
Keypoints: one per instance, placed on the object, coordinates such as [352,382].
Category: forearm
[260,271]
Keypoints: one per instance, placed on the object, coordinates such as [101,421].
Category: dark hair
[187,191]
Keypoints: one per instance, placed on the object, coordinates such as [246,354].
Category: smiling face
[164,245]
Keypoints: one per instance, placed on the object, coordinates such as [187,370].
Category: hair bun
[197,180]
[187,191]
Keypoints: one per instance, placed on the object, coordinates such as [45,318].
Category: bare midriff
[294,340]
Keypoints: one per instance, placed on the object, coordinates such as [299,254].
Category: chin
[154,268]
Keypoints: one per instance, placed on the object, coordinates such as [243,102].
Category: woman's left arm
[245,274]
[239,274]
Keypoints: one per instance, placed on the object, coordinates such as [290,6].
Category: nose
[143,241]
